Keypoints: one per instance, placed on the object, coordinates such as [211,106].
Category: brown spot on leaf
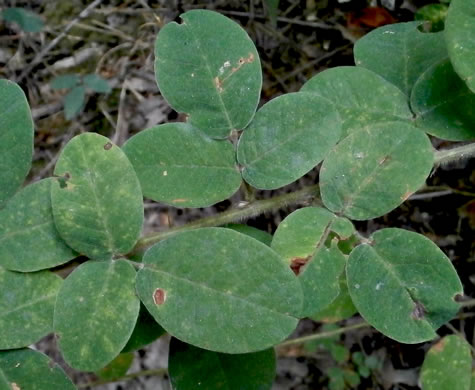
[419,311]
[297,263]
[159,296]
[108,146]
[406,195]
[180,200]
[384,160]
[218,84]
[439,346]
[15,386]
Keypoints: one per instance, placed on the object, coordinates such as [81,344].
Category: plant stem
[455,154]
[156,372]
[235,214]
[323,335]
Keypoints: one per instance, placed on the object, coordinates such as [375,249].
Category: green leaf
[29,240]
[209,68]
[374,170]
[95,314]
[447,365]
[16,139]
[362,97]
[74,101]
[27,20]
[26,307]
[97,201]
[25,369]
[460,38]
[117,367]
[288,137]
[400,52]
[403,285]
[191,368]
[435,14]
[65,81]
[250,231]
[167,156]
[146,331]
[220,290]
[300,240]
[444,104]
[96,83]
[341,308]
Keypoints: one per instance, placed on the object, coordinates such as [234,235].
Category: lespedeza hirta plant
[226,293]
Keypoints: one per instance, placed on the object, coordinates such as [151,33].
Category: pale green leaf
[16,139]
[117,367]
[209,68]
[288,137]
[375,169]
[26,307]
[403,285]
[400,53]
[300,240]
[178,165]
[194,368]
[29,240]
[361,96]
[97,201]
[27,20]
[96,83]
[65,81]
[444,104]
[26,369]
[251,231]
[146,331]
[447,365]
[95,313]
[433,13]
[220,290]
[460,37]
[341,308]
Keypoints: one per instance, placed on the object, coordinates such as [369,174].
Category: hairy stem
[455,154]
[156,372]
[323,335]
[235,214]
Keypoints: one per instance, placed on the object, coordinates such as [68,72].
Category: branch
[455,154]
[236,214]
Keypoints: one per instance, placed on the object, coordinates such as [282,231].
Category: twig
[83,14]
[455,154]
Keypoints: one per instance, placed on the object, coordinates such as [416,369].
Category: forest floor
[116,41]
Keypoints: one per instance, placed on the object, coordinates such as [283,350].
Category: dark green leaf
[300,240]
[192,368]
[361,96]
[16,139]
[25,369]
[444,104]
[400,53]
[250,231]
[145,332]
[97,201]
[117,367]
[26,307]
[28,237]
[209,68]
[74,101]
[27,20]
[96,83]
[288,137]
[403,285]
[460,37]
[65,81]
[220,290]
[375,169]
[448,365]
[95,314]
[178,165]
